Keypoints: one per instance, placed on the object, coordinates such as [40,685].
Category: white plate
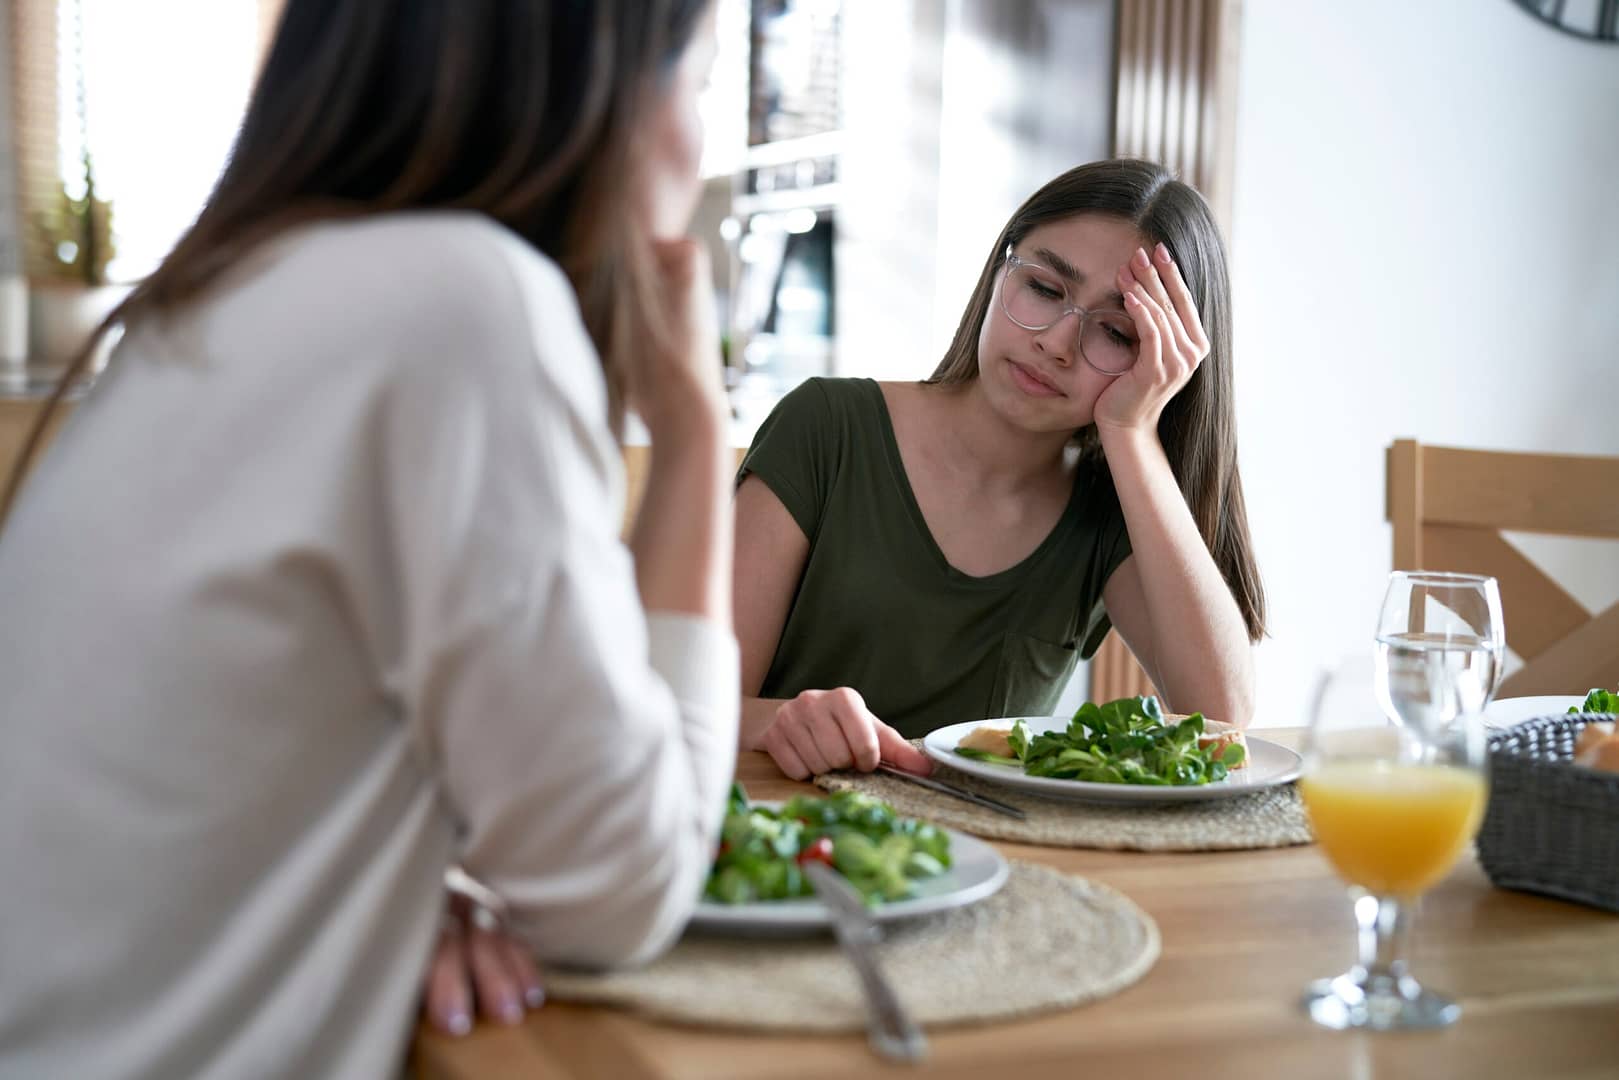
[1269,765]
[1506,712]
[977,871]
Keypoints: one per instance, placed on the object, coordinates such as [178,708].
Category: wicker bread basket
[1552,827]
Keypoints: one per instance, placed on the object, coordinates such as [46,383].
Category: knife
[950,789]
[893,1034]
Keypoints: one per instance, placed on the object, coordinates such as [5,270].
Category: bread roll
[1590,735]
[1602,754]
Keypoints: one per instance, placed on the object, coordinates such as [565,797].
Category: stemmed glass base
[1357,999]
[1377,993]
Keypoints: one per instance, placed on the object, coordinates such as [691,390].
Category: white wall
[1425,243]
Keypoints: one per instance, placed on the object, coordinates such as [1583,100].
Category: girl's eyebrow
[1062,266]
[1059,264]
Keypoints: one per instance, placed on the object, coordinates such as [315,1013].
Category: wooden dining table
[1243,932]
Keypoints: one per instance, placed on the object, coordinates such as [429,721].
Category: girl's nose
[1060,340]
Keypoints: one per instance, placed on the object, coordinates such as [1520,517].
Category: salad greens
[1127,741]
[1598,701]
[763,850]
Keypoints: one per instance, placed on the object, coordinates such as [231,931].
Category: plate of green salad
[901,866]
[1127,750]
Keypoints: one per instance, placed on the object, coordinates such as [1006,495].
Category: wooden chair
[1448,508]
[1114,672]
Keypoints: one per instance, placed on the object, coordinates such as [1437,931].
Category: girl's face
[673,140]
[1037,379]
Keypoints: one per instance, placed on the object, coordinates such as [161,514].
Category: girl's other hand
[675,381]
[822,730]
[1172,343]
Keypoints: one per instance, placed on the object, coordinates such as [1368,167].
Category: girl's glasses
[1036,298]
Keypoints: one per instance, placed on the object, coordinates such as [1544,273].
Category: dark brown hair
[1199,425]
[524,110]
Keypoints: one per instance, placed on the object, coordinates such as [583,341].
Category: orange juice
[1393,829]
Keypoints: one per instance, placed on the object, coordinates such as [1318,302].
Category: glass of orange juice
[1395,799]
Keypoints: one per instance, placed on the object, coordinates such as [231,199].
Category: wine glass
[1395,802]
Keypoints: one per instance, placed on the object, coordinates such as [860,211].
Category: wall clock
[1594,20]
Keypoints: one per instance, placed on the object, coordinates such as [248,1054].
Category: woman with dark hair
[320,589]
[911,555]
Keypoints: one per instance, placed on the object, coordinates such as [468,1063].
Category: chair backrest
[1449,507]
[1114,672]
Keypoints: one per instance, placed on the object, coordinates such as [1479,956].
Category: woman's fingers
[857,727]
[798,735]
[1165,311]
[1149,359]
[449,991]
[500,997]
[674,372]
[1185,307]
[782,753]
[1142,269]
[527,973]
[826,729]
[1178,359]
[784,741]
[476,960]
[822,730]
[897,751]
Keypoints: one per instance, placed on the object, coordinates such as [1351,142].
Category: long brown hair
[525,111]
[1199,425]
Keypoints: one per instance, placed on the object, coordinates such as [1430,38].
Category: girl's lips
[1030,383]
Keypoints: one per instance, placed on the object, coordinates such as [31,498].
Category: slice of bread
[1217,735]
[990,738]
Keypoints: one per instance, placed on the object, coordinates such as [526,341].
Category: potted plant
[70,293]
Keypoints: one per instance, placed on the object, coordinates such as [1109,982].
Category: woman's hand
[1172,343]
[477,962]
[822,730]
[681,540]
[675,378]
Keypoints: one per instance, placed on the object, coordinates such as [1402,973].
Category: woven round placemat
[1272,817]
[1046,941]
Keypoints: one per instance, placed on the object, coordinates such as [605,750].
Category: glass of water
[1441,644]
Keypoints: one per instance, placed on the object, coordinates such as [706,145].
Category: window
[155,91]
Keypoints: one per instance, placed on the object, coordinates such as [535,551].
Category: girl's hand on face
[822,730]
[1172,343]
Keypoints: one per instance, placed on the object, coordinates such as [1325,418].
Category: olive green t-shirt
[880,609]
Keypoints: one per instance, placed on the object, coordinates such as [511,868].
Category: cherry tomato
[819,850]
